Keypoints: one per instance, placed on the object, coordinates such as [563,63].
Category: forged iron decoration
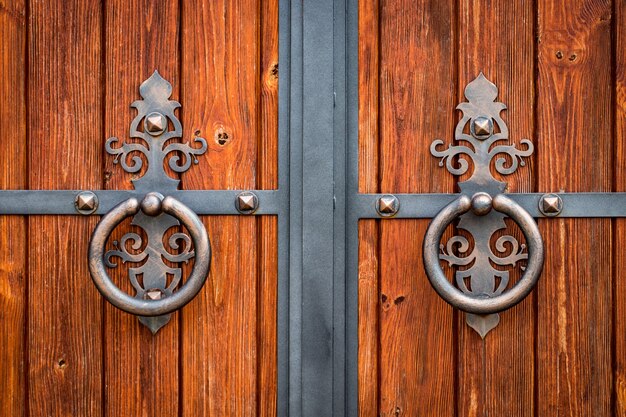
[155,214]
[482,207]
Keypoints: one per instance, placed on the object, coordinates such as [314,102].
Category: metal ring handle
[457,298]
[188,290]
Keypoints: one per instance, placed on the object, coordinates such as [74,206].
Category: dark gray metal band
[424,206]
[216,202]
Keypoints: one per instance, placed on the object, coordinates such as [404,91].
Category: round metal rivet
[387,205]
[151,204]
[86,202]
[247,202]
[550,205]
[481,204]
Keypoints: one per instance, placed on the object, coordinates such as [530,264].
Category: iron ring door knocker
[155,124]
[481,289]
[151,304]
[481,204]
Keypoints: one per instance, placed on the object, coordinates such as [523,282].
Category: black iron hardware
[156,214]
[482,208]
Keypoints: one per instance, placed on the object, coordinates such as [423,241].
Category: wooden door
[69,71]
[559,67]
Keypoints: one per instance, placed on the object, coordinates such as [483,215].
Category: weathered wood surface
[406,331]
[141,375]
[228,87]
[574,317]
[65,96]
[13,228]
[560,351]
[619,280]
[70,71]
[496,374]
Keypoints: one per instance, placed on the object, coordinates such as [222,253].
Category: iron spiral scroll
[156,213]
[481,287]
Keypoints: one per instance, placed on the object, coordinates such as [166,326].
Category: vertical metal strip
[339,233]
[317,209]
[285,359]
[352,218]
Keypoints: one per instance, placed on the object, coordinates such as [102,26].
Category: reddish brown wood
[141,370]
[65,127]
[220,88]
[267,226]
[13,228]
[416,348]
[369,325]
[619,279]
[496,375]
[574,154]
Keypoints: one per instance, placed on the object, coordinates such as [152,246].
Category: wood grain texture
[619,278]
[220,89]
[574,154]
[65,127]
[267,285]
[13,141]
[496,375]
[369,282]
[141,369]
[415,102]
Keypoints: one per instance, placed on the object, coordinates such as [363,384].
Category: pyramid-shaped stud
[387,205]
[86,202]
[550,205]
[154,294]
[482,127]
[155,123]
[247,203]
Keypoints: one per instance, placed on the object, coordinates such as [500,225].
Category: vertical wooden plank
[574,154]
[496,375]
[416,105]
[619,279]
[13,228]
[220,89]
[267,226]
[65,121]
[141,369]
[369,305]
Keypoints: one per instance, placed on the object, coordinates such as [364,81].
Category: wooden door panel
[72,69]
[552,62]
[496,375]
[13,232]
[140,376]
[574,356]
[65,312]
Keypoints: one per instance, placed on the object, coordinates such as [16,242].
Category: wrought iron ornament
[158,214]
[481,282]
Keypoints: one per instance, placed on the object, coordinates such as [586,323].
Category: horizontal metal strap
[202,202]
[428,205]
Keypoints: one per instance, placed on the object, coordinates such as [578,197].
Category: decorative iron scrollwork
[482,208]
[157,125]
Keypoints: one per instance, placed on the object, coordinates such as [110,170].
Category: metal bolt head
[482,127]
[481,204]
[155,123]
[387,205]
[550,205]
[86,202]
[153,294]
[247,202]
[151,204]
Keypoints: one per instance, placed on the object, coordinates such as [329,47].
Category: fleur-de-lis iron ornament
[156,124]
[480,279]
